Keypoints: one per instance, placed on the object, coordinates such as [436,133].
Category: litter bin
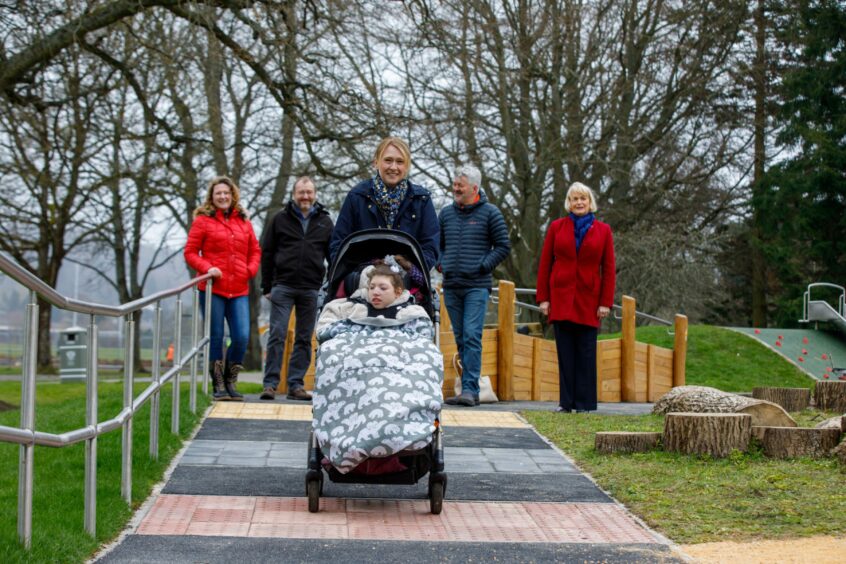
[73,354]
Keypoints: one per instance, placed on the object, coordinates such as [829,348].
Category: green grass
[694,499]
[57,524]
[727,360]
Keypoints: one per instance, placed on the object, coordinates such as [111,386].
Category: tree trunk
[831,396]
[701,399]
[790,442]
[791,399]
[715,434]
[626,442]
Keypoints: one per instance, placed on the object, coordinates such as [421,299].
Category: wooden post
[679,350]
[446,324]
[286,356]
[629,391]
[537,359]
[505,337]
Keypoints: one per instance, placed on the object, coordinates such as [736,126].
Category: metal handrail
[28,437]
[532,307]
[806,299]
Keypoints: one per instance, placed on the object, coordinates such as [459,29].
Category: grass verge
[727,360]
[694,499]
[57,522]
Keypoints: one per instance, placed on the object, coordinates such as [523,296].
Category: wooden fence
[522,367]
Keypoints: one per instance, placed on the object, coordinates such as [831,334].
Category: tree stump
[831,395]
[702,399]
[840,452]
[791,399]
[717,434]
[626,442]
[790,442]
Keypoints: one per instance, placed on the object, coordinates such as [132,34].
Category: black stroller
[359,249]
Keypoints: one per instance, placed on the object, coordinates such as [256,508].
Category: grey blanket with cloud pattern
[377,391]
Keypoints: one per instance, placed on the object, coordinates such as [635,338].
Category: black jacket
[291,257]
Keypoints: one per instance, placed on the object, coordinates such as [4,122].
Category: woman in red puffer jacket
[222,243]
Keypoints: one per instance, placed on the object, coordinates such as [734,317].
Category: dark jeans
[283,299]
[236,313]
[466,307]
[576,345]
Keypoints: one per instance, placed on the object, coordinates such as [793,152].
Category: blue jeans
[283,299]
[236,312]
[467,307]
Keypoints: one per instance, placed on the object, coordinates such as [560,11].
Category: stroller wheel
[313,489]
[436,497]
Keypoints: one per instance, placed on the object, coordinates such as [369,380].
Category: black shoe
[230,380]
[269,393]
[464,398]
[298,394]
[560,409]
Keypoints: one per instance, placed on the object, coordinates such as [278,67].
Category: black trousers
[576,346]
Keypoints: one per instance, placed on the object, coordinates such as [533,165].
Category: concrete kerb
[139,515]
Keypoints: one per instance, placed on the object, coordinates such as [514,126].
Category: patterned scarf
[581,224]
[389,199]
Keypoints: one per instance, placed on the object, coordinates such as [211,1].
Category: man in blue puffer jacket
[474,240]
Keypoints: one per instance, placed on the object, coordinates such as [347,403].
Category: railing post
[446,323]
[26,457]
[679,350]
[91,422]
[177,362]
[505,338]
[156,375]
[128,393]
[195,337]
[627,373]
[207,335]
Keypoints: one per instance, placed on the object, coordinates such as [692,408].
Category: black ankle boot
[219,389]
[231,379]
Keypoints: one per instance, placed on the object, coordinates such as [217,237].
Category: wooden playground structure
[522,367]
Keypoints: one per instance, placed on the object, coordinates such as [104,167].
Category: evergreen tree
[803,197]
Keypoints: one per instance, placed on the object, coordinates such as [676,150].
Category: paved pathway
[237,493]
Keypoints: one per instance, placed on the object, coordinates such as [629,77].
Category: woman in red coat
[222,243]
[575,288]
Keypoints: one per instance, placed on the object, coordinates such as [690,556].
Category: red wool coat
[575,285]
[230,245]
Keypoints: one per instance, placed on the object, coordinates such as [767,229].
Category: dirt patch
[7,406]
[820,550]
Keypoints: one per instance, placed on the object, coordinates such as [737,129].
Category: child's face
[382,292]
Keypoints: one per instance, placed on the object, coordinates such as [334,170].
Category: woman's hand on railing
[215,272]
[544,308]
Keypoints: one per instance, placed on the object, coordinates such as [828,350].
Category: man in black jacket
[293,250]
[474,239]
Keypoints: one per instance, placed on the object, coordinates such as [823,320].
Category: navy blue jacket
[474,239]
[416,216]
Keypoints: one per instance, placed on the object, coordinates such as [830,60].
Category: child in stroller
[377,392]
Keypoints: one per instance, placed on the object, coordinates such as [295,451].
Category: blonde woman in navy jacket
[575,289]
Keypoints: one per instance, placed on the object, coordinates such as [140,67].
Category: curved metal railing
[28,437]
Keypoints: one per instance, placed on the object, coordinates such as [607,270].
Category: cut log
[791,399]
[716,434]
[831,395]
[626,442]
[840,452]
[701,399]
[790,442]
[836,422]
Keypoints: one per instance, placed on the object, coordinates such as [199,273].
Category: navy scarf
[581,224]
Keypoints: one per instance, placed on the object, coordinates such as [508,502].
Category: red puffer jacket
[230,245]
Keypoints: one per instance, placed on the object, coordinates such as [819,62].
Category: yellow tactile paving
[277,411]
[450,418]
